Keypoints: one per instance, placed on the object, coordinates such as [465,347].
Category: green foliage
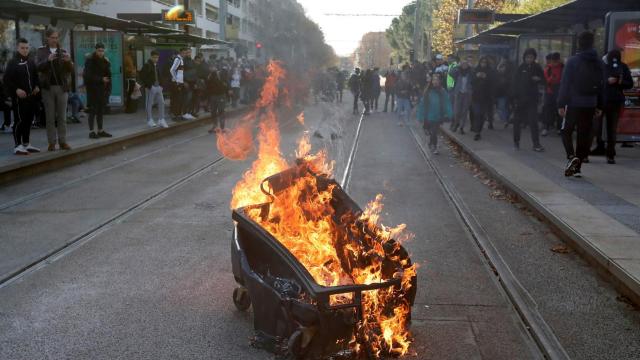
[400,33]
[532,6]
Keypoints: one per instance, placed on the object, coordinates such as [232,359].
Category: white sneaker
[162,123]
[151,123]
[20,150]
[188,116]
[30,148]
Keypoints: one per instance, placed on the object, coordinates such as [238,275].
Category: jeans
[502,107]
[431,129]
[55,105]
[154,97]
[389,95]
[526,112]
[462,104]
[582,120]
[612,114]
[404,109]
[480,115]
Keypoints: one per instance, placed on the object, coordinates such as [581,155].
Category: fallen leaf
[560,249]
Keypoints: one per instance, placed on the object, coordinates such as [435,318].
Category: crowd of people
[562,98]
[36,90]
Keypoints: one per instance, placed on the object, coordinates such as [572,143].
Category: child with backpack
[433,109]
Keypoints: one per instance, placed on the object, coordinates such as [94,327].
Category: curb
[623,281]
[60,159]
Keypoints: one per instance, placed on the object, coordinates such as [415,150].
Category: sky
[344,32]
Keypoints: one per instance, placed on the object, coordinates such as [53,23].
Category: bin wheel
[241,298]
[294,345]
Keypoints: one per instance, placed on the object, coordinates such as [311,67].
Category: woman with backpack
[433,109]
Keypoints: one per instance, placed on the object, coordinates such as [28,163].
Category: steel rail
[521,300]
[346,176]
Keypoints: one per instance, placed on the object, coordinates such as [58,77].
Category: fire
[302,218]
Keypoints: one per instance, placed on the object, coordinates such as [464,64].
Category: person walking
[354,87]
[404,90]
[553,76]
[390,90]
[340,80]
[151,79]
[375,89]
[528,78]
[433,109]
[236,76]
[617,78]
[366,90]
[579,99]
[217,90]
[462,76]
[482,83]
[97,79]
[501,92]
[22,84]
[54,69]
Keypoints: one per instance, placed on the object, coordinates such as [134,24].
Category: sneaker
[572,167]
[461,131]
[51,147]
[32,149]
[538,148]
[476,137]
[20,150]
[585,160]
[151,123]
[103,133]
[188,116]
[435,150]
[65,146]
[544,132]
[577,174]
[163,124]
[516,145]
[611,161]
[93,135]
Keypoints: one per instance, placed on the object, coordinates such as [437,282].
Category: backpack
[589,78]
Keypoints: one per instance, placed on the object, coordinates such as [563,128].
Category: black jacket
[216,86]
[569,94]
[95,69]
[21,73]
[147,77]
[613,94]
[47,69]
[482,88]
[524,87]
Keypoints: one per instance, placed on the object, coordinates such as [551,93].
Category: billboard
[84,43]
[623,32]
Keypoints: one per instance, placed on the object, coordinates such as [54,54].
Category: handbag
[136,93]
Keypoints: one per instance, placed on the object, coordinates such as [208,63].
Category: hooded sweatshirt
[614,94]
[569,94]
[525,87]
[21,73]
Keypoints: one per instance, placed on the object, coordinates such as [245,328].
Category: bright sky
[344,32]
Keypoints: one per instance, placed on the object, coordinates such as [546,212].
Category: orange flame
[301,217]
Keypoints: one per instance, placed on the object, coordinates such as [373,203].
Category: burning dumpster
[346,295]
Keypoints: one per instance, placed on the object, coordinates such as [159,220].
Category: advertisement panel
[84,43]
[623,32]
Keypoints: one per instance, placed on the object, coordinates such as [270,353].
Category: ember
[325,277]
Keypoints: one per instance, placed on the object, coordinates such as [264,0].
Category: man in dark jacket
[55,68]
[375,89]
[617,78]
[152,79]
[217,90]
[482,83]
[527,80]
[97,79]
[354,86]
[390,90]
[21,83]
[579,99]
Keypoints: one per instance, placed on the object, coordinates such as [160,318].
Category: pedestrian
[617,78]
[354,87]
[525,88]
[404,90]
[152,80]
[76,105]
[236,76]
[201,71]
[390,90]
[340,81]
[22,84]
[366,90]
[579,99]
[501,92]
[129,67]
[433,109]
[97,79]
[5,105]
[453,63]
[462,76]
[553,76]
[178,88]
[482,83]
[375,88]
[217,90]
[54,69]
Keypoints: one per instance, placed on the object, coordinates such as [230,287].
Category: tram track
[515,292]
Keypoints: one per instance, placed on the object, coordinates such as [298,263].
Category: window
[212,13]
[234,3]
[166,2]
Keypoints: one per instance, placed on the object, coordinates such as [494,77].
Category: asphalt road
[157,283]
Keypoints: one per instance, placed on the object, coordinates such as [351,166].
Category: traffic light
[412,55]
[258,49]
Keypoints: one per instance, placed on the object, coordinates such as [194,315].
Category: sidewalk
[127,130]
[599,213]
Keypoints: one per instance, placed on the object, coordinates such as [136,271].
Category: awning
[27,11]
[191,39]
[487,39]
[564,16]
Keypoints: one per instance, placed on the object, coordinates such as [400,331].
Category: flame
[302,218]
